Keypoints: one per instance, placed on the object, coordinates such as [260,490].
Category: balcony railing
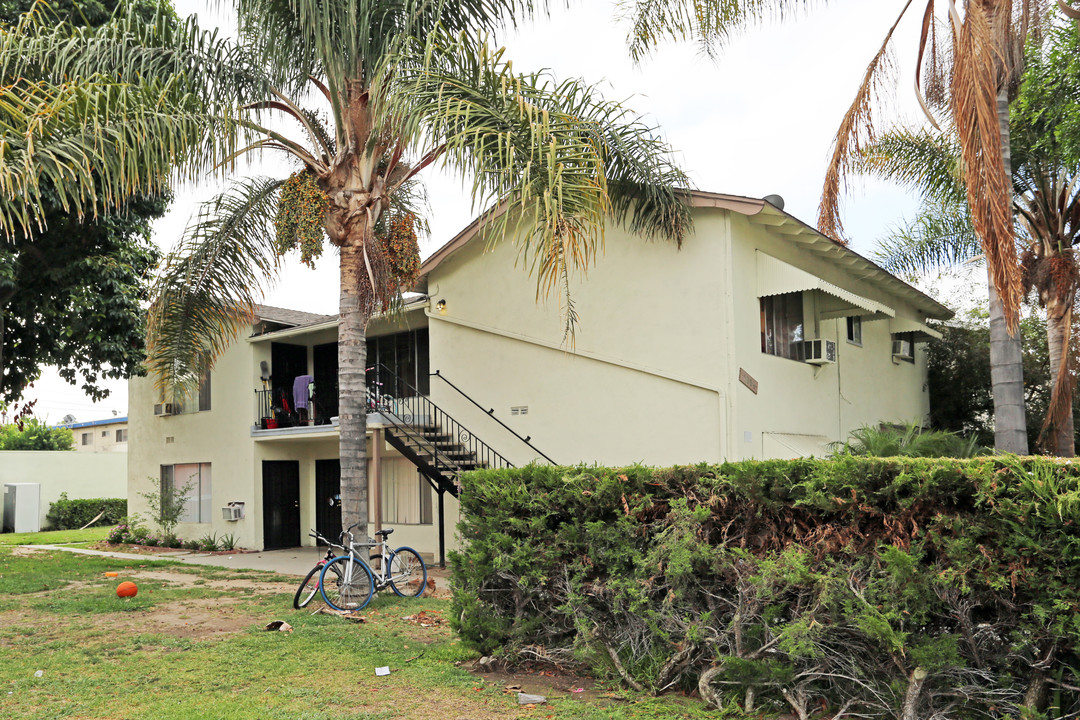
[277,408]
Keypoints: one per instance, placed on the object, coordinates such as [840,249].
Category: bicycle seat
[385,532]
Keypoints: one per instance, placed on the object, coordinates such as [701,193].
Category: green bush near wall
[907,588]
[65,514]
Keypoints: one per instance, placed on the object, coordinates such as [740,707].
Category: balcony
[305,411]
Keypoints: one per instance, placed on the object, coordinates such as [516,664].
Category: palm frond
[560,160]
[709,22]
[210,284]
[938,237]
[975,113]
[926,162]
[856,131]
[168,106]
[344,43]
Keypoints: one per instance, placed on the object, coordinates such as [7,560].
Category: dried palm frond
[856,131]
[936,70]
[978,125]
[1069,10]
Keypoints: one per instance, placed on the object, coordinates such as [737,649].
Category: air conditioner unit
[901,350]
[819,352]
[163,409]
[233,511]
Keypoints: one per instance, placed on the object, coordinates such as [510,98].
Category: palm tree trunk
[1058,321]
[1006,381]
[352,390]
[1006,359]
[1,352]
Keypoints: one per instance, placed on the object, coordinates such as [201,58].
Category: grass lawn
[56,537]
[191,646]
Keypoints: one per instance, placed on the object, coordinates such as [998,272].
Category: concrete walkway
[293,561]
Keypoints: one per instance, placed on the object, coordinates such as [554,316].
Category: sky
[757,120]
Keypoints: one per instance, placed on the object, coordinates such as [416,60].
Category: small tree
[167,504]
[32,434]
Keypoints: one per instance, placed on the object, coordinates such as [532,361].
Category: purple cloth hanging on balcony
[300,391]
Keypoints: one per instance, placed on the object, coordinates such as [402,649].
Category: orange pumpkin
[127,589]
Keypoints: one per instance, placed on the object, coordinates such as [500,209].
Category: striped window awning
[920,329]
[776,277]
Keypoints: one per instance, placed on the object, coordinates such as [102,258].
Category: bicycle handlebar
[318,536]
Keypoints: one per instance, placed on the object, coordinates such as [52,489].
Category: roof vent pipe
[775,200]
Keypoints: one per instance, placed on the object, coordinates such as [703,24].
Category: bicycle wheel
[408,574]
[346,584]
[308,589]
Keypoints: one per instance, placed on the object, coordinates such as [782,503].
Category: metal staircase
[439,446]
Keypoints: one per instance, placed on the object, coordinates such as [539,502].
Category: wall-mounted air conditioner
[163,409]
[233,511]
[901,350]
[819,352]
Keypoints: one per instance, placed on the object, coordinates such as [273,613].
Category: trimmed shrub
[882,587]
[65,514]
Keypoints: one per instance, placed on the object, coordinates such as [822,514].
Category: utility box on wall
[22,507]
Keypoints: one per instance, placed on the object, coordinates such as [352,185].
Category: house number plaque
[746,379]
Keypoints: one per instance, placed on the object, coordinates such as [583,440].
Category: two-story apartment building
[109,435]
[758,338]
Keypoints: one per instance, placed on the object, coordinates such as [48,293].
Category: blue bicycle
[348,583]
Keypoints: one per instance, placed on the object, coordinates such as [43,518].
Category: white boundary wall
[79,474]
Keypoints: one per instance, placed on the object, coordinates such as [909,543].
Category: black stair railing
[491,413]
[451,447]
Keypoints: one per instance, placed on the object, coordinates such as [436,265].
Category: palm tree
[376,91]
[1046,203]
[969,81]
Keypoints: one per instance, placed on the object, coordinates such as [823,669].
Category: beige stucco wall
[642,381]
[80,475]
[220,436]
[864,386]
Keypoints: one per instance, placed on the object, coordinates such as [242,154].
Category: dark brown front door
[281,504]
[328,498]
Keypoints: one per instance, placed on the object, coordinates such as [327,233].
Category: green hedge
[895,587]
[65,514]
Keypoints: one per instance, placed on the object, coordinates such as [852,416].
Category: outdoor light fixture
[441,306]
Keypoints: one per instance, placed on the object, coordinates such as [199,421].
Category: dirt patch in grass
[190,619]
[195,619]
[183,579]
[24,551]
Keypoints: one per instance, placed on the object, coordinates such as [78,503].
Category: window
[854,330]
[406,494]
[104,433]
[204,392]
[199,401]
[196,478]
[782,326]
[405,355]
[88,438]
[121,435]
